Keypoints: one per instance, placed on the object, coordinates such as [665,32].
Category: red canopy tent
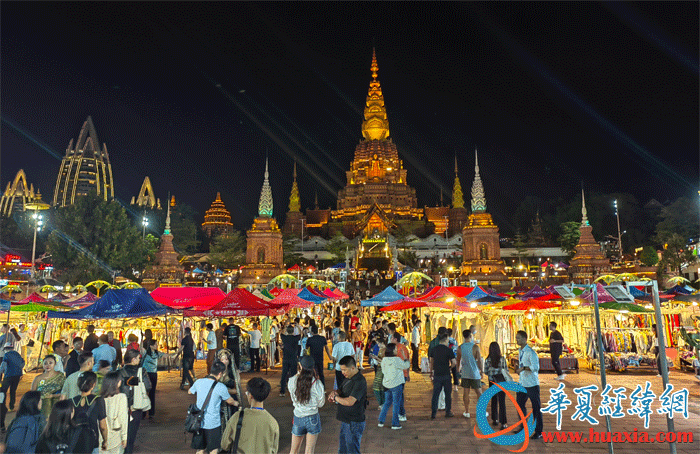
[407,303]
[439,293]
[198,298]
[275,291]
[340,294]
[33,298]
[328,293]
[460,291]
[238,303]
[530,305]
[295,268]
[549,297]
[291,300]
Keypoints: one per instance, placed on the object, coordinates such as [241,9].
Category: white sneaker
[467,415]
[487,413]
[403,418]
[381,424]
[396,427]
[561,377]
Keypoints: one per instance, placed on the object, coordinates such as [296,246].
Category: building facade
[85,167]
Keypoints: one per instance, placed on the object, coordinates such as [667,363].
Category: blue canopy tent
[476,294]
[489,299]
[197,270]
[678,290]
[339,266]
[635,292]
[306,295]
[384,298]
[119,303]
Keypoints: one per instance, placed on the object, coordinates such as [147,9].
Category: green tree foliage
[649,257]
[291,255]
[676,255]
[337,247]
[17,233]
[520,245]
[228,251]
[679,218]
[570,234]
[401,234]
[151,245]
[100,227]
[184,228]
[409,258]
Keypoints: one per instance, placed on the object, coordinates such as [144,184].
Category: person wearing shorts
[471,383]
[308,395]
[470,367]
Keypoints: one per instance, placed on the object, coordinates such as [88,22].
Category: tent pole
[167,350]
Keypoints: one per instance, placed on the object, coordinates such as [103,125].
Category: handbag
[195,415]
[506,374]
[141,400]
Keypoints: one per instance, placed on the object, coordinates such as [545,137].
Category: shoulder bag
[141,400]
[233,449]
[195,415]
[504,371]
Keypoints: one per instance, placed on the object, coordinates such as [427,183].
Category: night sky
[194,95]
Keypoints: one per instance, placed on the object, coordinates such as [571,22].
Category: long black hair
[390,350]
[29,404]
[494,354]
[305,381]
[60,421]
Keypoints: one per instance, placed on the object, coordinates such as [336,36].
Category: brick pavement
[420,434]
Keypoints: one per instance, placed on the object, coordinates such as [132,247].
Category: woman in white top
[392,367]
[117,410]
[308,396]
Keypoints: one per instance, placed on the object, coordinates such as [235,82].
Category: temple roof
[294,199]
[457,195]
[265,205]
[376,124]
[478,196]
[217,215]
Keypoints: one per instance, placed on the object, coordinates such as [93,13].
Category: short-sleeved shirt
[70,386]
[104,351]
[187,347]
[211,341]
[98,413]
[212,416]
[317,344]
[355,386]
[341,350]
[233,334]
[442,355]
[290,345]
[255,336]
[555,348]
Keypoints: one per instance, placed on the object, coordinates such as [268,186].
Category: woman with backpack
[23,432]
[308,396]
[117,410]
[61,435]
[89,410]
[132,374]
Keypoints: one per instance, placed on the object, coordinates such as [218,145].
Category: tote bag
[141,400]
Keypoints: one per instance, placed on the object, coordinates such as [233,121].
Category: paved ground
[420,434]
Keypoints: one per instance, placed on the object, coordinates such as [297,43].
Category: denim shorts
[306,424]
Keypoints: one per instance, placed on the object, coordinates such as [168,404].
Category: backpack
[83,427]
[23,434]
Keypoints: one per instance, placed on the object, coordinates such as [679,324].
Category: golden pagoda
[458,214]
[481,249]
[588,261]
[295,219]
[217,219]
[167,268]
[376,175]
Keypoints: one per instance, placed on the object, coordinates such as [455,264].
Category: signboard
[619,293]
[344,276]
[473,283]
[565,292]
[341,286]
[445,282]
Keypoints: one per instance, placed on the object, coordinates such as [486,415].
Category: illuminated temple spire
[167,222]
[294,201]
[457,195]
[265,206]
[376,124]
[584,213]
[478,197]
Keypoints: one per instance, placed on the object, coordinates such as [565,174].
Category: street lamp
[619,234]
[145,224]
[38,223]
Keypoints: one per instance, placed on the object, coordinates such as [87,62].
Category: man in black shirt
[351,399]
[233,336]
[290,349]
[187,350]
[91,340]
[442,360]
[316,344]
[556,343]
[72,364]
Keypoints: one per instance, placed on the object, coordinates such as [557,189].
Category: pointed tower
[376,176]
[264,256]
[589,260]
[146,197]
[481,249]
[458,214]
[166,268]
[293,221]
[217,219]
[85,167]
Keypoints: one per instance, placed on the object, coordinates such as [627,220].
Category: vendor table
[568,363]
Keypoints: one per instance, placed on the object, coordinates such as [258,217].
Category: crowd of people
[93,398]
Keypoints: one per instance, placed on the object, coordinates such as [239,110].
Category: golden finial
[374,66]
